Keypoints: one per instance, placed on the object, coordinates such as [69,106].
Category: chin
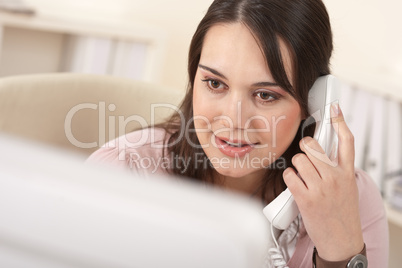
[233,172]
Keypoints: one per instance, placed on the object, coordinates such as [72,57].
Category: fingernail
[335,109]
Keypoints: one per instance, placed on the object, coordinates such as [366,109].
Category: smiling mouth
[234,148]
[236,143]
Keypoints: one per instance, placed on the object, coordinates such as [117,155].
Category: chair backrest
[79,111]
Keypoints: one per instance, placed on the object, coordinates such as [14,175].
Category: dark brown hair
[303,25]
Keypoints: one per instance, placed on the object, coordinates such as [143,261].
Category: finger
[307,171]
[346,147]
[295,185]
[315,153]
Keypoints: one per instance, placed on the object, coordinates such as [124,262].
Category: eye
[266,96]
[214,84]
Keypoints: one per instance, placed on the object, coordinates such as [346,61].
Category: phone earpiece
[282,211]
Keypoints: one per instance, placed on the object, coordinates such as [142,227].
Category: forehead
[228,44]
[233,47]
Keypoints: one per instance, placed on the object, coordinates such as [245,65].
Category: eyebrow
[215,72]
[266,84]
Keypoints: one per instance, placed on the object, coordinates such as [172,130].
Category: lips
[234,148]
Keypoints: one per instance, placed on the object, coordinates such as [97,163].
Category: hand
[327,196]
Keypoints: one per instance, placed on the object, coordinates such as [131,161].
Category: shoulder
[136,150]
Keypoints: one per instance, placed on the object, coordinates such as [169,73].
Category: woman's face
[244,121]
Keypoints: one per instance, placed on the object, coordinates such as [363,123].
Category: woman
[251,65]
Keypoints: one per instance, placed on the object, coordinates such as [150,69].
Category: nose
[235,112]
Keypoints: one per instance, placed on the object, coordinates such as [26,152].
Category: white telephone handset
[282,211]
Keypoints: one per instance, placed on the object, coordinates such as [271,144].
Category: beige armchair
[80,112]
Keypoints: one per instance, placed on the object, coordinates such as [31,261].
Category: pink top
[141,151]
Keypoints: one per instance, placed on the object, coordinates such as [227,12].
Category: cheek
[282,127]
[286,125]
[197,103]
[197,97]
[284,119]
[202,112]
[203,108]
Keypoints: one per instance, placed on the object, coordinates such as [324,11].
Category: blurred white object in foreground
[57,212]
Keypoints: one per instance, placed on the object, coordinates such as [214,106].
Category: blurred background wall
[368,54]
[367,32]
[176,18]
